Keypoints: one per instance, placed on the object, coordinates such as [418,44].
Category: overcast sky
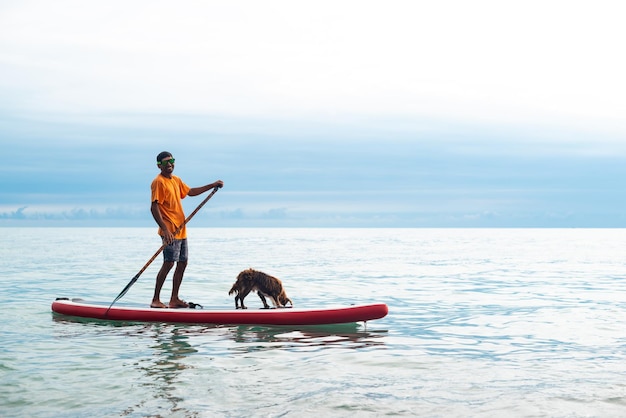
[320,113]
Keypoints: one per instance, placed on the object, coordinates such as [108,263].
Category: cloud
[309,174]
[16,214]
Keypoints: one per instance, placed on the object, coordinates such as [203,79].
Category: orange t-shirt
[168,193]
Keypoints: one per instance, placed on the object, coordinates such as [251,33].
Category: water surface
[482,322]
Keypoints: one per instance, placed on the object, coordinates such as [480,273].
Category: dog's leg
[262,296]
[276,302]
[237,301]
[242,295]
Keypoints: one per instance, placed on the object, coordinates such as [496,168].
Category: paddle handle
[156,254]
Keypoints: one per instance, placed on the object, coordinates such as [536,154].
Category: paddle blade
[123,292]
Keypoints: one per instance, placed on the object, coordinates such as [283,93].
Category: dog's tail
[233,290]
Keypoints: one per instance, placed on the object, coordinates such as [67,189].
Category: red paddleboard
[280,316]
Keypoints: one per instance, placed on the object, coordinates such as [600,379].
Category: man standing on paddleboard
[168,191]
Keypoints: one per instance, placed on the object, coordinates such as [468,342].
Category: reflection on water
[172,338]
[164,367]
[256,338]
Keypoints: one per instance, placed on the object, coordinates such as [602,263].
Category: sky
[315,113]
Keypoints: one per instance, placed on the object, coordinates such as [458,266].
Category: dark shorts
[176,251]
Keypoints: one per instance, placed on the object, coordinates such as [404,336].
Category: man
[168,191]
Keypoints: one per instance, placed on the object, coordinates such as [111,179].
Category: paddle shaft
[156,254]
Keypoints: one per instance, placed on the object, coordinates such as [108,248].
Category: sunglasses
[171,161]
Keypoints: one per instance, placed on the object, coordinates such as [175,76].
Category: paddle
[134,279]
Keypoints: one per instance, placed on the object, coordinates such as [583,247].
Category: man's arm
[195,191]
[168,236]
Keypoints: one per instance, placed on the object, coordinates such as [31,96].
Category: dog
[265,285]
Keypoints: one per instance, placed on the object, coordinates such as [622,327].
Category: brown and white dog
[265,285]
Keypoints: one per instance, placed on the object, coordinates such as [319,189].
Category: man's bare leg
[175,301]
[160,279]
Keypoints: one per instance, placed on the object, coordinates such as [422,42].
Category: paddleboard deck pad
[281,316]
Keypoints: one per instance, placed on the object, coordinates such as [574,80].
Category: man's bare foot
[177,303]
[157,304]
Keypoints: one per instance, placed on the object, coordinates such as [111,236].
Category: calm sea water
[482,322]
